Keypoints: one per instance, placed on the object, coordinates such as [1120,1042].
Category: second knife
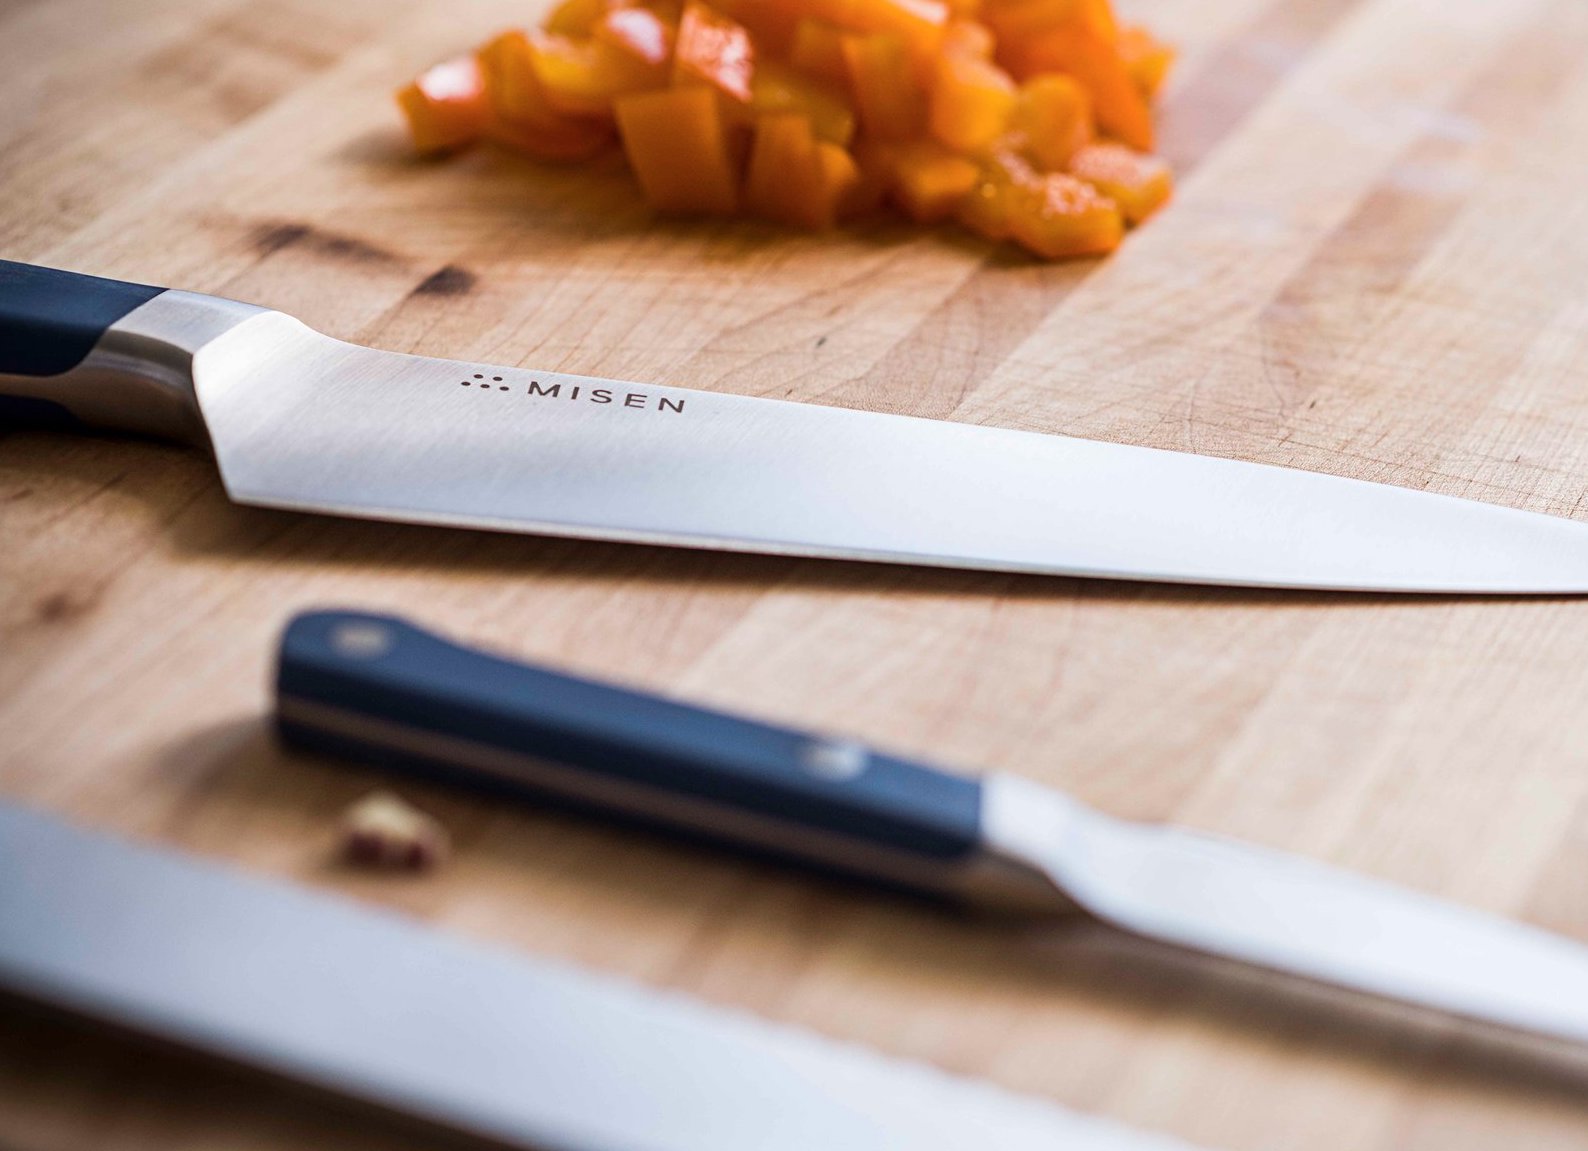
[382,691]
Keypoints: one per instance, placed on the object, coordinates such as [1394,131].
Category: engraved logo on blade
[577,393]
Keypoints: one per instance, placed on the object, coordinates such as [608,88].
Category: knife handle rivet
[834,759]
[361,640]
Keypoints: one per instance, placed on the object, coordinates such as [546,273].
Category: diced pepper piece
[510,78]
[1138,184]
[1054,114]
[971,103]
[780,88]
[968,38]
[1019,22]
[872,162]
[887,93]
[771,22]
[985,210]
[677,144]
[714,50]
[919,23]
[1064,217]
[1118,105]
[928,181]
[1146,58]
[818,48]
[794,178]
[523,118]
[783,169]
[840,176]
[447,107]
[576,17]
[1005,174]
[583,77]
[639,34]
[565,140]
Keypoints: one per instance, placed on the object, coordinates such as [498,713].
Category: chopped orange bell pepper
[919,23]
[1017,23]
[1138,184]
[1027,119]
[1117,103]
[887,93]
[1054,114]
[583,77]
[794,178]
[985,210]
[818,48]
[928,180]
[447,106]
[780,88]
[971,102]
[677,143]
[1146,58]
[565,140]
[1063,217]
[873,172]
[576,17]
[1006,174]
[968,38]
[639,34]
[840,176]
[523,117]
[510,77]
[714,50]
[771,22]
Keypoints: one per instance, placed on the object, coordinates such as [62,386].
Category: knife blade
[522,1052]
[381,691]
[298,420]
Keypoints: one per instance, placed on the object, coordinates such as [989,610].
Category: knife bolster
[138,376]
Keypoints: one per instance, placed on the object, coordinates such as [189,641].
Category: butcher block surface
[1376,266]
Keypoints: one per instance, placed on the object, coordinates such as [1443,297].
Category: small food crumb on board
[1022,120]
[385,831]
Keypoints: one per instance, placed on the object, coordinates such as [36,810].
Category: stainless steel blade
[1291,915]
[301,421]
[527,1053]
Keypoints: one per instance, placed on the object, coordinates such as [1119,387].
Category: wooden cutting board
[1377,266]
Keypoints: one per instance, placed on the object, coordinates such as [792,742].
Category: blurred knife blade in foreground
[298,420]
[364,1004]
[384,692]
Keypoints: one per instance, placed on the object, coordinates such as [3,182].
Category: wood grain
[1377,266]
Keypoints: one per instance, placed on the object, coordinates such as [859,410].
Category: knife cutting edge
[384,692]
[301,421]
[518,1051]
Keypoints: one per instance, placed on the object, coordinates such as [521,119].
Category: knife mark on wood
[270,238]
[61,606]
[447,280]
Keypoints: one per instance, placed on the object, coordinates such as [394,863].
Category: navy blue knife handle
[381,691]
[50,320]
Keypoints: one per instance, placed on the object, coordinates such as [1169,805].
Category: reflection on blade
[1288,914]
[530,1054]
[301,421]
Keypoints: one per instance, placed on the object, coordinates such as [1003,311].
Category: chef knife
[298,420]
[519,1051]
[384,692]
